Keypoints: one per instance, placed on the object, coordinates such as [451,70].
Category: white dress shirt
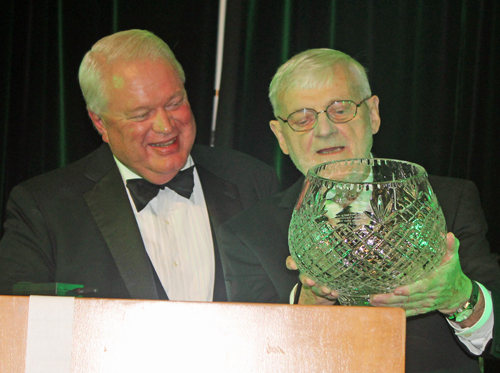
[178,239]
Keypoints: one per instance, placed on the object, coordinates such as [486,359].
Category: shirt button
[166,222]
[176,264]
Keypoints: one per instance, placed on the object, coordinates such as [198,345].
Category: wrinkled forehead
[315,78]
[125,82]
[310,88]
[122,74]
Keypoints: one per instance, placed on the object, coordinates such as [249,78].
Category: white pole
[218,65]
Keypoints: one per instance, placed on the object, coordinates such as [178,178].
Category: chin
[330,158]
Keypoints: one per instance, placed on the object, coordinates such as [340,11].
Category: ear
[277,130]
[99,125]
[374,113]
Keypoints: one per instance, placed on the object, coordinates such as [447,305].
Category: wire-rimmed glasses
[338,112]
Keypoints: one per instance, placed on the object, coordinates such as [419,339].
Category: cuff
[293,294]
[477,336]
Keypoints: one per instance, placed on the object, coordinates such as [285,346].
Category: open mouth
[164,144]
[331,150]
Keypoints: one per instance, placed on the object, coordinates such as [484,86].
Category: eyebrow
[328,104]
[137,110]
[145,108]
[177,94]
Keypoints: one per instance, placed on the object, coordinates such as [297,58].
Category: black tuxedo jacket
[254,247]
[76,225]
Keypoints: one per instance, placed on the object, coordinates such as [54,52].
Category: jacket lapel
[222,198]
[223,202]
[111,209]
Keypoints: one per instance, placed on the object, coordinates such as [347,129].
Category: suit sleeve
[470,227]
[25,248]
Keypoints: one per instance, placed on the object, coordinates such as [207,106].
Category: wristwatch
[465,310]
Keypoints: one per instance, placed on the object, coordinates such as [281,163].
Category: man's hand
[311,292]
[446,289]
[307,296]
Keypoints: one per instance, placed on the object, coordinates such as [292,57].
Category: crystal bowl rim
[421,171]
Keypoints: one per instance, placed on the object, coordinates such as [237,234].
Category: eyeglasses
[338,112]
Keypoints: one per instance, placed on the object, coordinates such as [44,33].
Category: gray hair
[314,68]
[122,46]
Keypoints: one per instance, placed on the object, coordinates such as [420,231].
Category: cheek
[304,145]
[363,141]
[185,123]
[302,152]
[130,136]
[137,131]
[184,115]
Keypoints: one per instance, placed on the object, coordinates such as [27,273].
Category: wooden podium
[114,335]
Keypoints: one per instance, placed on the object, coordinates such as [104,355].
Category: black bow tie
[142,191]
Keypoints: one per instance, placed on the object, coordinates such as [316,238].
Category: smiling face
[148,121]
[327,141]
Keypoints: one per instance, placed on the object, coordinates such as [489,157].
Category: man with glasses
[325,111]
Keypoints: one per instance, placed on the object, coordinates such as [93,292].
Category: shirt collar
[128,174]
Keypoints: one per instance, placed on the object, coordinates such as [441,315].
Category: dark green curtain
[44,124]
[433,63]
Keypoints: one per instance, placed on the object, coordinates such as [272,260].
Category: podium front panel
[114,335]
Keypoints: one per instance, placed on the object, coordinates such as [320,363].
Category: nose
[163,123]
[325,127]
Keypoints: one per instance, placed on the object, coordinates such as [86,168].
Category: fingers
[386,300]
[438,290]
[452,241]
[436,278]
[321,291]
[452,244]
[325,292]
[290,264]
[306,280]
[418,287]
[406,302]
[307,296]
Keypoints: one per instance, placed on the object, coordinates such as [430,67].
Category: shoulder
[261,229]
[218,159]
[450,183]
[272,213]
[461,205]
[75,176]
[254,179]
[452,191]
[262,213]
